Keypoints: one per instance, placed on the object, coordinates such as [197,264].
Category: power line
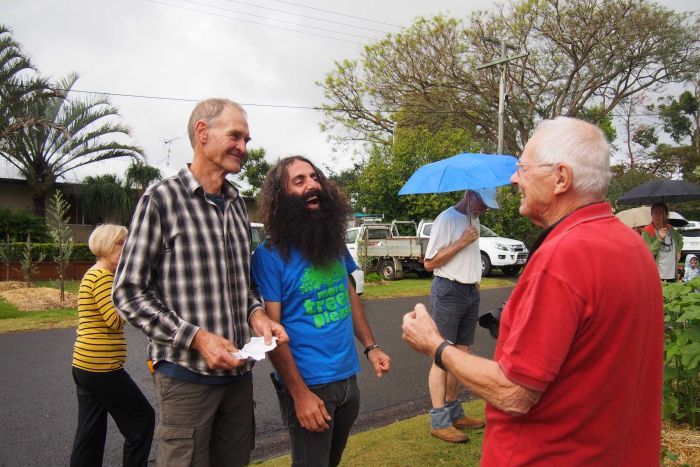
[339,14]
[306,16]
[256,22]
[208,5]
[296,107]
[184,99]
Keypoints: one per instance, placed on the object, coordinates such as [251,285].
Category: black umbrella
[664,191]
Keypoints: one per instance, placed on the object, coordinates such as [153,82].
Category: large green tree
[90,134]
[581,54]
[681,121]
[388,168]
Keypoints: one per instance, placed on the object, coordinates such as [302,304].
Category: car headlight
[501,246]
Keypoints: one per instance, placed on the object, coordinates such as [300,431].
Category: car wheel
[511,270]
[485,265]
[387,270]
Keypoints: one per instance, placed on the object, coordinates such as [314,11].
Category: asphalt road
[38,408]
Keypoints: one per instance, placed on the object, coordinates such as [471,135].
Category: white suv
[506,254]
[691,240]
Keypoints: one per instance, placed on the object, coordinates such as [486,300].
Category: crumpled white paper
[255,349]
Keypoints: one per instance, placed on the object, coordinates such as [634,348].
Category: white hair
[582,146]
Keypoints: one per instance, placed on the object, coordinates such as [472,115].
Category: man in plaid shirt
[184,280]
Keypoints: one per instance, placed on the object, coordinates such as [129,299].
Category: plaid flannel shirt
[186,266]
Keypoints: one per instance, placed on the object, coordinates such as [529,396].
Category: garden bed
[35,298]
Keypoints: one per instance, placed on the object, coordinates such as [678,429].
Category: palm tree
[105,199]
[42,154]
[139,175]
[20,87]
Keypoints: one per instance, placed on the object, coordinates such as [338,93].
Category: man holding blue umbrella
[453,256]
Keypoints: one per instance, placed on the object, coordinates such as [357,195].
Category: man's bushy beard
[319,234]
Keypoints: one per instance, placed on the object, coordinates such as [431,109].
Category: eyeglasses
[520,167]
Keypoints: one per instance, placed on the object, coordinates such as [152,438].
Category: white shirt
[666,257]
[465,266]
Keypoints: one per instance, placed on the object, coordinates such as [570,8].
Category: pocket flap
[175,432]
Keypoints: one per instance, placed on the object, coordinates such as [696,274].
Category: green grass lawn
[70,286]
[412,286]
[12,320]
[407,442]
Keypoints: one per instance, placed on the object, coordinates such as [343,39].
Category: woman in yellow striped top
[103,386]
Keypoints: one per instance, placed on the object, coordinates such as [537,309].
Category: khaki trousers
[205,424]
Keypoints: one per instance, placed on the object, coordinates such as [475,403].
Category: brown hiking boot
[466,422]
[449,434]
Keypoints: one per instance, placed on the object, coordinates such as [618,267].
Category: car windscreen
[486,232]
[351,235]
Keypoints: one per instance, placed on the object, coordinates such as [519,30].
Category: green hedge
[81,252]
[18,224]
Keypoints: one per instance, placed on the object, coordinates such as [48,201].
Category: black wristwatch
[438,353]
[370,348]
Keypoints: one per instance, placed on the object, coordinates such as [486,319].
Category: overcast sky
[174,52]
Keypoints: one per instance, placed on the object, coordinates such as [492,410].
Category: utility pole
[503,62]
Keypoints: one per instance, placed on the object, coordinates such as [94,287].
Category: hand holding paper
[255,349]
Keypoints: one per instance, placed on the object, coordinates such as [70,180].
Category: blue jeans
[311,449]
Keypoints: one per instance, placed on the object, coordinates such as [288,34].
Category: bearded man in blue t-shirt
[302,272]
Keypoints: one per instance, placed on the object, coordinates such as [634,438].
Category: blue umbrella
[464,171]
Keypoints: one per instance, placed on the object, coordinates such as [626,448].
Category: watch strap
[369,348]
[438,353]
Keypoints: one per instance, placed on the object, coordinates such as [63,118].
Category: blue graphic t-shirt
[315,305]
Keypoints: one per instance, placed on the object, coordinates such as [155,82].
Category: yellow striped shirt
[100,345]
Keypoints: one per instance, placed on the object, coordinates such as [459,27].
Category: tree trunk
[39,204]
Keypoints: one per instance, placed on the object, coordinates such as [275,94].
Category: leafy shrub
[81,252]
[682,351]
[20,224]
[29,261]
[373,277]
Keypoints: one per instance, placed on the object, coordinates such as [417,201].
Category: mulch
[35,298]
[683,441]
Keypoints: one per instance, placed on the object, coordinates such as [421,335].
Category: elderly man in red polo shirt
[577,373]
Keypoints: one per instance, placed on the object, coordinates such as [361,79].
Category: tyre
[387,269]
[485,265]
[511,270]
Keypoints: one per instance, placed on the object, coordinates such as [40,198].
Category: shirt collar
[193,186]
[585,213]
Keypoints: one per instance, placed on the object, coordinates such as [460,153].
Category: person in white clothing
[453,256]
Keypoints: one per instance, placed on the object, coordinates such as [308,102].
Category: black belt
[457,282]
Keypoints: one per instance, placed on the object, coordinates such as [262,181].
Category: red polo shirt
[584,326]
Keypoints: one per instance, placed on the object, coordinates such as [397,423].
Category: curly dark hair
[319,235]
